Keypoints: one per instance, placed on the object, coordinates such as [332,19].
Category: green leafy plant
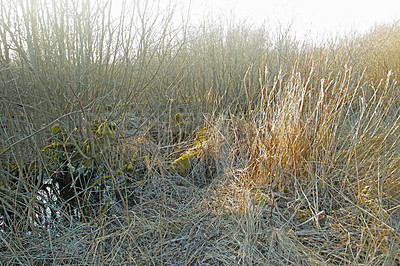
[77,160]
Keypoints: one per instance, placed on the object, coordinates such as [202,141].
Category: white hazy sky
[315,17]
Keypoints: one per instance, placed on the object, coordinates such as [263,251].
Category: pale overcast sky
[317,16]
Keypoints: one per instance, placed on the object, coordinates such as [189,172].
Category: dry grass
[294,147]
[378,51]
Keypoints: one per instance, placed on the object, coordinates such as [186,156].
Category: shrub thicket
[130,140]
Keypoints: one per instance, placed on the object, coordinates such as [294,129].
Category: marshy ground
[215,144]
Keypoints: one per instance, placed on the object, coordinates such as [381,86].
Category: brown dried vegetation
[289,151]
